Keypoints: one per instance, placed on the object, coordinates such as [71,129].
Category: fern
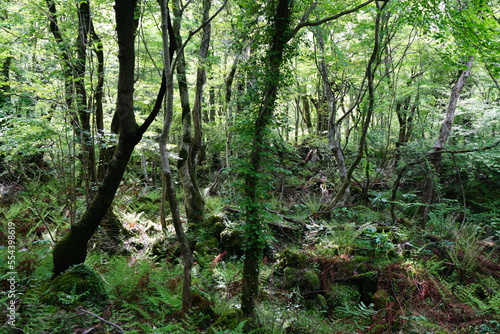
[484,297]
[361,310]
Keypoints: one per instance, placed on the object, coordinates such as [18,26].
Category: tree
[428,194]
[72,248]
[186,165]
[281,32]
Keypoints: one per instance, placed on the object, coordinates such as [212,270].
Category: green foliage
[360,310]
[466,248]
[483,296]
[24,137]
[312,202]
[340,239]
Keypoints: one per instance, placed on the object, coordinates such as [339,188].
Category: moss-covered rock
[210,246]
[232,241]
[306,280]
[367,285]
[317,303]
[342,294]
[166,248]
[77,285]
[229,319]
[214,225]
[293,259]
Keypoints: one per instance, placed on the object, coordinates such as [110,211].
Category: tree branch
[156,108]
[84,311]
[194,32]
[327,19]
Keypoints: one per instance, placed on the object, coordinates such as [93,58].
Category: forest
[267,167]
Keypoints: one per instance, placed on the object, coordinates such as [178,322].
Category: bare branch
[82,310]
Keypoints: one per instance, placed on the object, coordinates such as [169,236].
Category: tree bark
[197,151]
[72,249]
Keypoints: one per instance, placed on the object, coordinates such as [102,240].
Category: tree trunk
[193,201]
[169,188]
[74,81]
[198,152]
[429,191]
[307,113]
[253,226]
[228,85]
[72,249]
[84,125]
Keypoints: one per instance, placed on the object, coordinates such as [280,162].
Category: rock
[232,241]
[305,280]
[289,258]
[73,287]
[229,319]
[342,294]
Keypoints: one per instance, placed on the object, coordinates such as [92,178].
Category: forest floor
[350,270]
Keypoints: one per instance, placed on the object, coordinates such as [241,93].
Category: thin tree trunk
[333,126]
[169,187]
[84,131]
[193,201]
[228,83]
[307,113]
[197,152]
[74,82]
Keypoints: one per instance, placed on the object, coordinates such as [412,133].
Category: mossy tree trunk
[253,226]
[72,249]
[280,34]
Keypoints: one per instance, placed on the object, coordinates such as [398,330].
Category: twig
[82,310]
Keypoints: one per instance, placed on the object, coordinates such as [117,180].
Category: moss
[209,246]
[70,250]
[304,279]
[232,241]
[367,285]
[229,319]
[75,286]
[342,294]
[318,303]
[211,227]
[290,258]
